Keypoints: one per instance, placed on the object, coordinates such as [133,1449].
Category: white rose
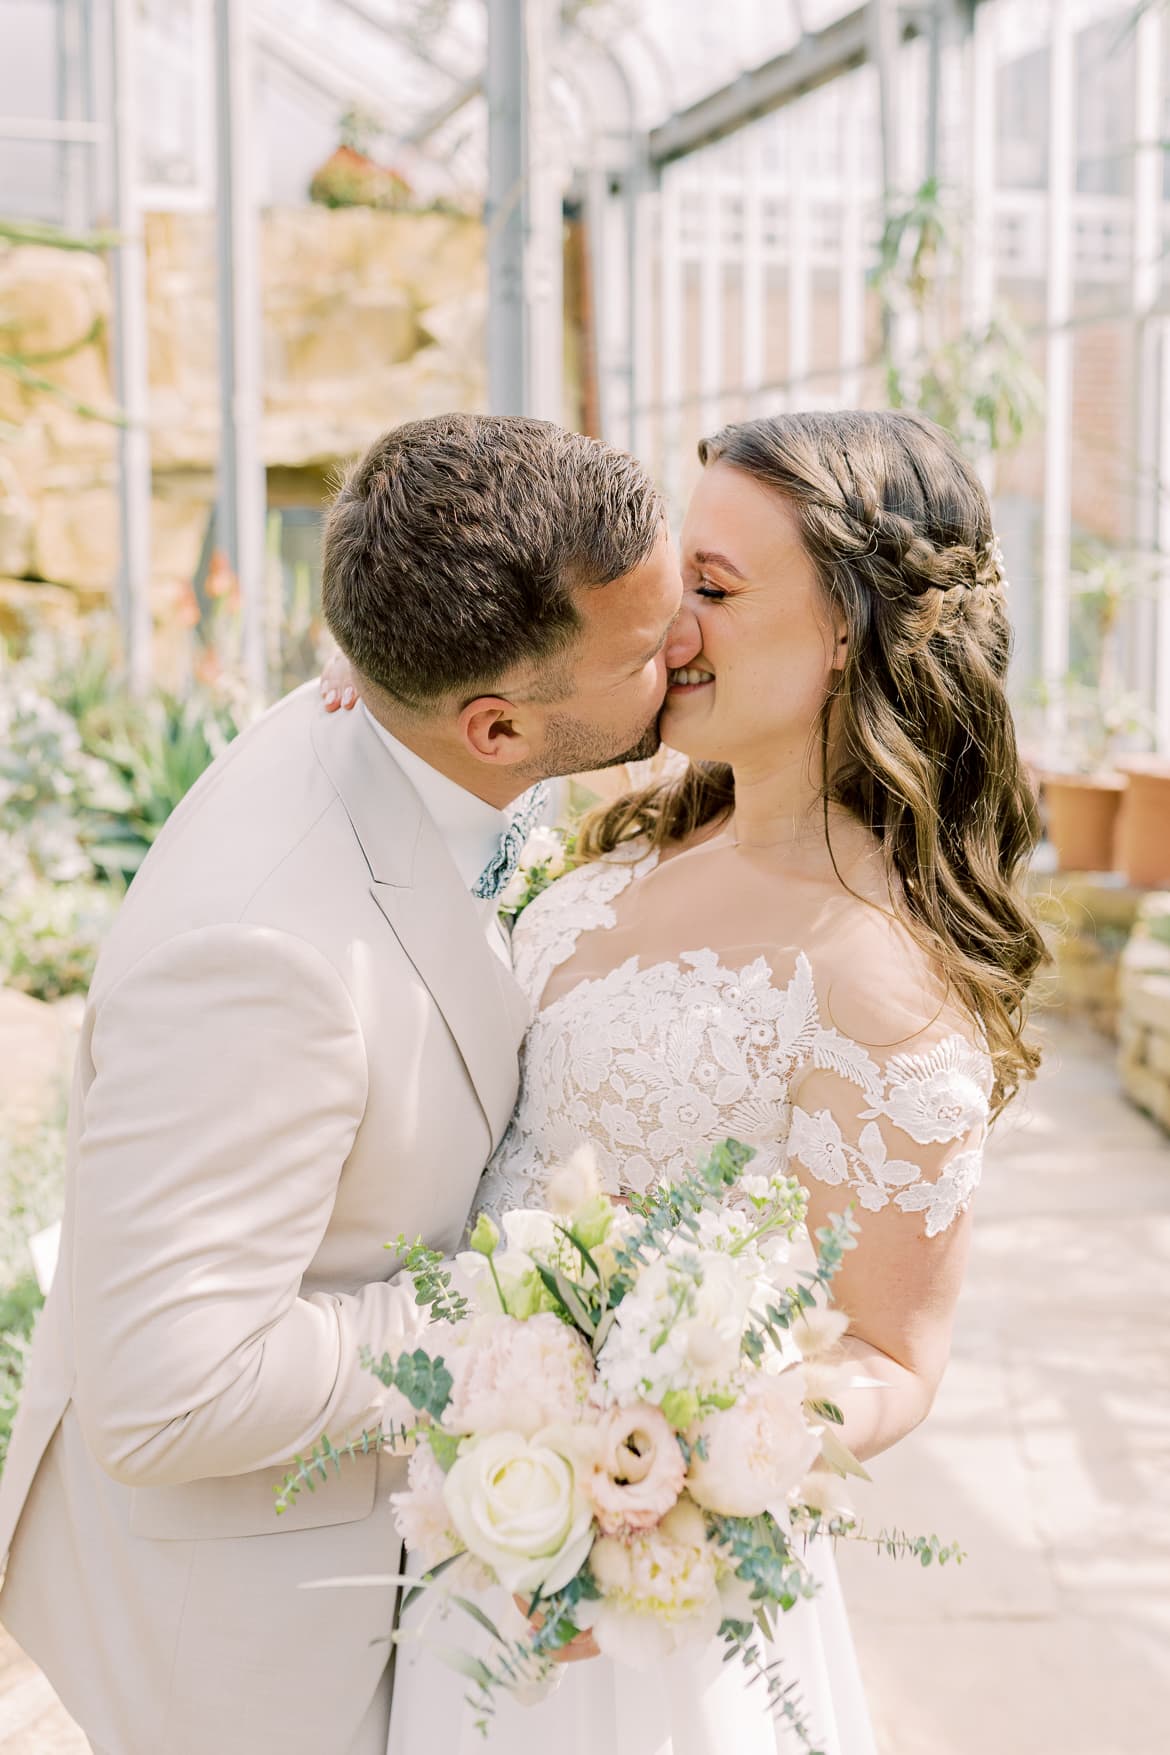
[757,1451]
[514,891]
[531,1232]
[545,847]
[516,1505]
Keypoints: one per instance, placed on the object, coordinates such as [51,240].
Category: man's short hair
[454,549]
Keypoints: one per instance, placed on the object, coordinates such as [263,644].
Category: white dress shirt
[470,827]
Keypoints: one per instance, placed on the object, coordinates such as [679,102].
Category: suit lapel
[426,903]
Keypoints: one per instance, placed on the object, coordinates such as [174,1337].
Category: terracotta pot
[1081,813]
[1143,826]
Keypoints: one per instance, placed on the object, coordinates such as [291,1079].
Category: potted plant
[1085,784]
[1143,825]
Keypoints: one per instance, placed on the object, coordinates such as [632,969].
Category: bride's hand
[577,1650]
[338,688]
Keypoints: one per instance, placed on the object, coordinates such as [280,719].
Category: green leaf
[838,1457]
[563,1290]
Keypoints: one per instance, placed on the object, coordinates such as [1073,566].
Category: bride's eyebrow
[708,558]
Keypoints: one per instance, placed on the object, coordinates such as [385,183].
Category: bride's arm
[906,1157]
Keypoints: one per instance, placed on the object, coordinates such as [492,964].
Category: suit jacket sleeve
[229,1082]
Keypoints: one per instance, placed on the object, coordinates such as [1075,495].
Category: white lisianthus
[660,1590]
[755,1452]
[680,1328]
[529,1233]
[517,1376]
[516,1504]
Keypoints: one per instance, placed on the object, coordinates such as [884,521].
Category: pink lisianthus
[512,1376]
[639,1471]
[757,1451]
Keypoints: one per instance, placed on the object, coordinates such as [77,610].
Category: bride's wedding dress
[679,1000]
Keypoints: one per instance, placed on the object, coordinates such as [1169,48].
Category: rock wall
[1144,1057]
[369,319]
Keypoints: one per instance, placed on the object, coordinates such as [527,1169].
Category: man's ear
[497,731]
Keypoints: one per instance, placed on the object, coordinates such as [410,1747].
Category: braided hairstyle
[916,734]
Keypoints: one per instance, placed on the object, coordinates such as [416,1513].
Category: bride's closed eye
[714,593]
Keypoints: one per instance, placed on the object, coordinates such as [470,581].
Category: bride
[810,940]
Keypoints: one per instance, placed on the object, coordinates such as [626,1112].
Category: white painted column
[1162,629]
[799,261]
[544,243]
[242,504]
[640,320]
[130,366]
[1054,623]
[1152,364]
[754,283]
[670,338]
[851,279]
[711,305]
[979,261]
[524,214]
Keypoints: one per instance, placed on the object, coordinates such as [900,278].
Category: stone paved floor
[1047,1456]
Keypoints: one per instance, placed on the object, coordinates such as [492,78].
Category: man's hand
[584,1646]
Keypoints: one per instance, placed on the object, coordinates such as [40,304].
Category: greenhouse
[242,239]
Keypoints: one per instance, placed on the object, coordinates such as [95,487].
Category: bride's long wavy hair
[916,735]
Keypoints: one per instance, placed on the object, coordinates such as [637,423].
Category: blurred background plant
[31,1192]
[978,383]
[88,777]
[1100,716]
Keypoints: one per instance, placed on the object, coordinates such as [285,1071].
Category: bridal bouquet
[625,1418]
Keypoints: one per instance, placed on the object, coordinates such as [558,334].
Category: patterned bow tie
[503,864]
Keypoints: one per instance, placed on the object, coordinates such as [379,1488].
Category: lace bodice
[651,1061]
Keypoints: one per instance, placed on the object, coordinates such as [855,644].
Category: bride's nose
[686,640]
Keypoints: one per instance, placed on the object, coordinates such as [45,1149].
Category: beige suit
[297,1045]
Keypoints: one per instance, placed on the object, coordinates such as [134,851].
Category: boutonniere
[547,855]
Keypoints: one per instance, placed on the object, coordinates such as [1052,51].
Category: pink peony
[755,1452]
[420,1510]
[512,1376]
[639,1471]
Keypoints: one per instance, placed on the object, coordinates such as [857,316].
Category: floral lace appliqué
[651,1066]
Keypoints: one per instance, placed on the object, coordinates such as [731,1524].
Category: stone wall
[1145,1011]
[369,319]
[1086,924]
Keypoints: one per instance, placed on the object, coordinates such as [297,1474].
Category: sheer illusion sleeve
[902,1130]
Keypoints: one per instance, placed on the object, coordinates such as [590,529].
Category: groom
[300,1042]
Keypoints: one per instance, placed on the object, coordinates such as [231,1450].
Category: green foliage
[425,1382]
[764,1558]
[18,1312]
[88,777]
[978,384]
[432,1281]
[833,1241]
[927,1550]
[325,1457]
[31,1195]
